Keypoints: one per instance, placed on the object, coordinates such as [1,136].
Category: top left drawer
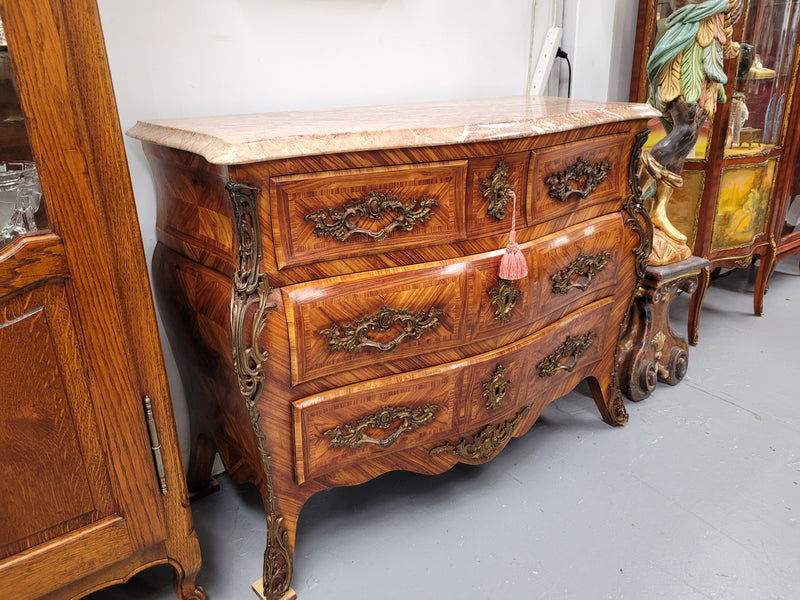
[341,214]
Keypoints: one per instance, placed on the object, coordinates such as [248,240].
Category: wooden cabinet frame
[105,389]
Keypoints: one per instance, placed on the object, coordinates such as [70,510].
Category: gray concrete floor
[698,496]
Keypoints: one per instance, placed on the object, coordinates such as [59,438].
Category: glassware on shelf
[20,197]
[764,76]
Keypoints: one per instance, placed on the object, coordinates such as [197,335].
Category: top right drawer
[568,178]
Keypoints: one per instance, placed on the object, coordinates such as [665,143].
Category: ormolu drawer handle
[374,206]
[580,272]
[504,299]
[587,174]
[497,191]
[353,338]
[567,355]
[355,436]
[496,388]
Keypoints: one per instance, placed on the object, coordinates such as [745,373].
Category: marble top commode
[240,139]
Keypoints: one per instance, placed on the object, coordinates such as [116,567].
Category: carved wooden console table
[332,291]
[650,350]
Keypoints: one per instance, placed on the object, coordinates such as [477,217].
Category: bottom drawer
[338,428]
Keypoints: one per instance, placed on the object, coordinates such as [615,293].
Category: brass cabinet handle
[353,338]
[355,436]
[567,355]
[580,272]
[584,173]
[497,191]
[496,388]
[374,206]
[504,299]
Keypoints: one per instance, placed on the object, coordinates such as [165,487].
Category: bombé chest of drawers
[330,284]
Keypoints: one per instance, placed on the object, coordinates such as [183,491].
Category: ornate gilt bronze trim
[496,388]
[353,338]
[497,191]
[486,443]
[580,272]
[249,306]
[572,348]
[639,221]
[504,299]
[584,173]
[638,218]
[373,207]
[355,436]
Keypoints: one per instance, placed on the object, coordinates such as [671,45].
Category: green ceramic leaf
[712,61]
[692,72]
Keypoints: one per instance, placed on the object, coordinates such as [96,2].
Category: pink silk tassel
[513,265]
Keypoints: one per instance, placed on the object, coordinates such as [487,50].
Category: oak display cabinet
[91,479]
[735,180]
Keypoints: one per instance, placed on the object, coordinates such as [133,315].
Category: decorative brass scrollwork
[249,294]
[353,338]
[587,174]
[496,389]
[572,349]
[498,191]
[486,442]
[374,207]
[504,299]
[355,436]
[580,272]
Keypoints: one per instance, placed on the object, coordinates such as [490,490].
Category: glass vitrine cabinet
[735,180]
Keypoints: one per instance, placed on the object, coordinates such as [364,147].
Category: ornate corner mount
[504,299]
[497,191]
[619,415]
[337,223]
[355,436]
[567,356]
[353,338]
[486,443]
[583,173]
[249,306]
[496,388]
[580,273]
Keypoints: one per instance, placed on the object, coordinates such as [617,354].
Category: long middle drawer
[350,322]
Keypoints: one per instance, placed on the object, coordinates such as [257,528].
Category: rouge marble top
[239,139]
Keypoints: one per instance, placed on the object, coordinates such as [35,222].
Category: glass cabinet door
[763,78]
[21,208]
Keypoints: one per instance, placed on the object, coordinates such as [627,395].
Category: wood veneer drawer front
[566,178]
[578,261]
[341,214]
[348,322]
[558,356]
[339,428]
[569,268]
[489,203]
[379,417]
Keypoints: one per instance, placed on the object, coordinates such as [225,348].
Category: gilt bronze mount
[374,207]
[585,174]
[355,436]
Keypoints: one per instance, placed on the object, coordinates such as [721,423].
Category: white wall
[173,58]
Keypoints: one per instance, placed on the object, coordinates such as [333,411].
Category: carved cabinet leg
[650,350]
